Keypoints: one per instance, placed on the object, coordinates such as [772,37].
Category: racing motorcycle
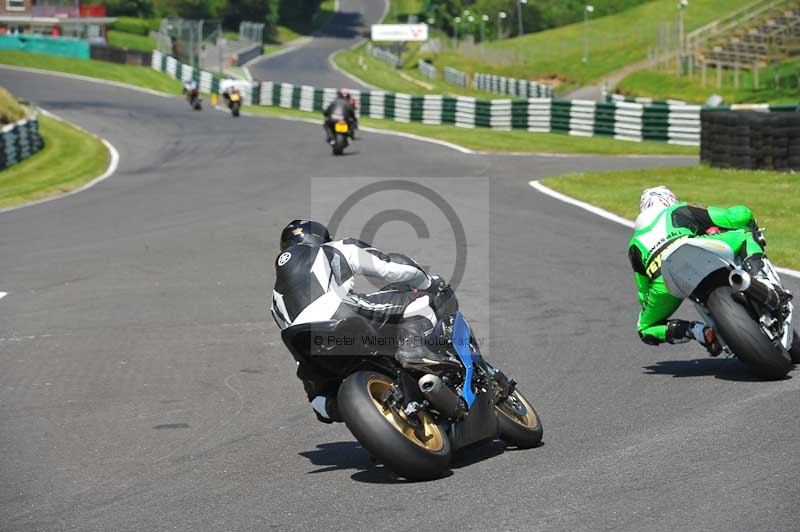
[752,322]
[341,130]
[234,102]
[193,98]
[412,420]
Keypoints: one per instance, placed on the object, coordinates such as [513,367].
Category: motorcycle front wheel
[339,143]
[418,451]
[744,336]
[518,422]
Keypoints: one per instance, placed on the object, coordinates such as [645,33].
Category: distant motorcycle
[234,99]
[193,97]
[341,131]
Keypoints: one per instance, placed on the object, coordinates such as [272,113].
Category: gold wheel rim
[433,438]
[528,420]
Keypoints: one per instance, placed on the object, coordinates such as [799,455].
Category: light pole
[681,6]
[586,11]
[484,20]
[501,16]
[519,14]
[457,20]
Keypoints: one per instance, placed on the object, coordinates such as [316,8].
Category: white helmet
[659,197]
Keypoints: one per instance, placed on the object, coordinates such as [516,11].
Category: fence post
[755,75]
[703,74]
[736,75]
[719,76]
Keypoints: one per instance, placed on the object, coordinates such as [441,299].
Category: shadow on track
[728,369]
[343,455]
[347,25]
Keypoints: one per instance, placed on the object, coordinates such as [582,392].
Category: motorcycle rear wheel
[519,423]
[745,337]
[794,352]
[387,434]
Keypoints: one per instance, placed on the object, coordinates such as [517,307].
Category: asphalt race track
[309,64]
[143,385]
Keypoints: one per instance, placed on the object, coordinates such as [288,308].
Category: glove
[758,236]
[438,284]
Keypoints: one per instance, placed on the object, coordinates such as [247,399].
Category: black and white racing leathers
[315,283]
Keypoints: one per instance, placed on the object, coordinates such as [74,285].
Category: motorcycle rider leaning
[339,107]
[314,281]
[662,220]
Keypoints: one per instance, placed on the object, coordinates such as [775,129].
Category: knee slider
[649,339]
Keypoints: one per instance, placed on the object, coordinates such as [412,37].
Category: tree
[129,8]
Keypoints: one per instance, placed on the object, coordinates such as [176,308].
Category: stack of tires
[751,140]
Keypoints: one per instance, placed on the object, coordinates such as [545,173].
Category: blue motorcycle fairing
[461,341]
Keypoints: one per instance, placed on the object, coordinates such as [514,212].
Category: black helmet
[304,232]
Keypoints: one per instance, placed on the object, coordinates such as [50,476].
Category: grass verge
[614,41]
[659,84]
[140,76]
[10,109]
[505,141]
[774,197]
[407,80]
[69,159]
[131,41]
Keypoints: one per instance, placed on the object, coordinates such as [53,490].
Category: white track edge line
[110,169]
[613,217]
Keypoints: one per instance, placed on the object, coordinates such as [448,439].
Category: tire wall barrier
[630,121]
[758,137]
[19,140]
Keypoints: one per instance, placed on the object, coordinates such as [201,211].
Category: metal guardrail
[427,69]
[384,55]
[522,88]
[455,77]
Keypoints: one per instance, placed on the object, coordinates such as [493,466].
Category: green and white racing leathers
[655,231]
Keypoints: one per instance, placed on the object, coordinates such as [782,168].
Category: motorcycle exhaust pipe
[440,396]
[742,281]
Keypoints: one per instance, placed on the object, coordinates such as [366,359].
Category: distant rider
[190,89]
[339,107]
[662,221]
[189,85]
[354,104]
[315,277]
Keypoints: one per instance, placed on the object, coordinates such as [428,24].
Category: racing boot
[414,351]
[326,409]
[760,267]
[681,331]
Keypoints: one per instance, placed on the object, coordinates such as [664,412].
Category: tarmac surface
[143,385]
